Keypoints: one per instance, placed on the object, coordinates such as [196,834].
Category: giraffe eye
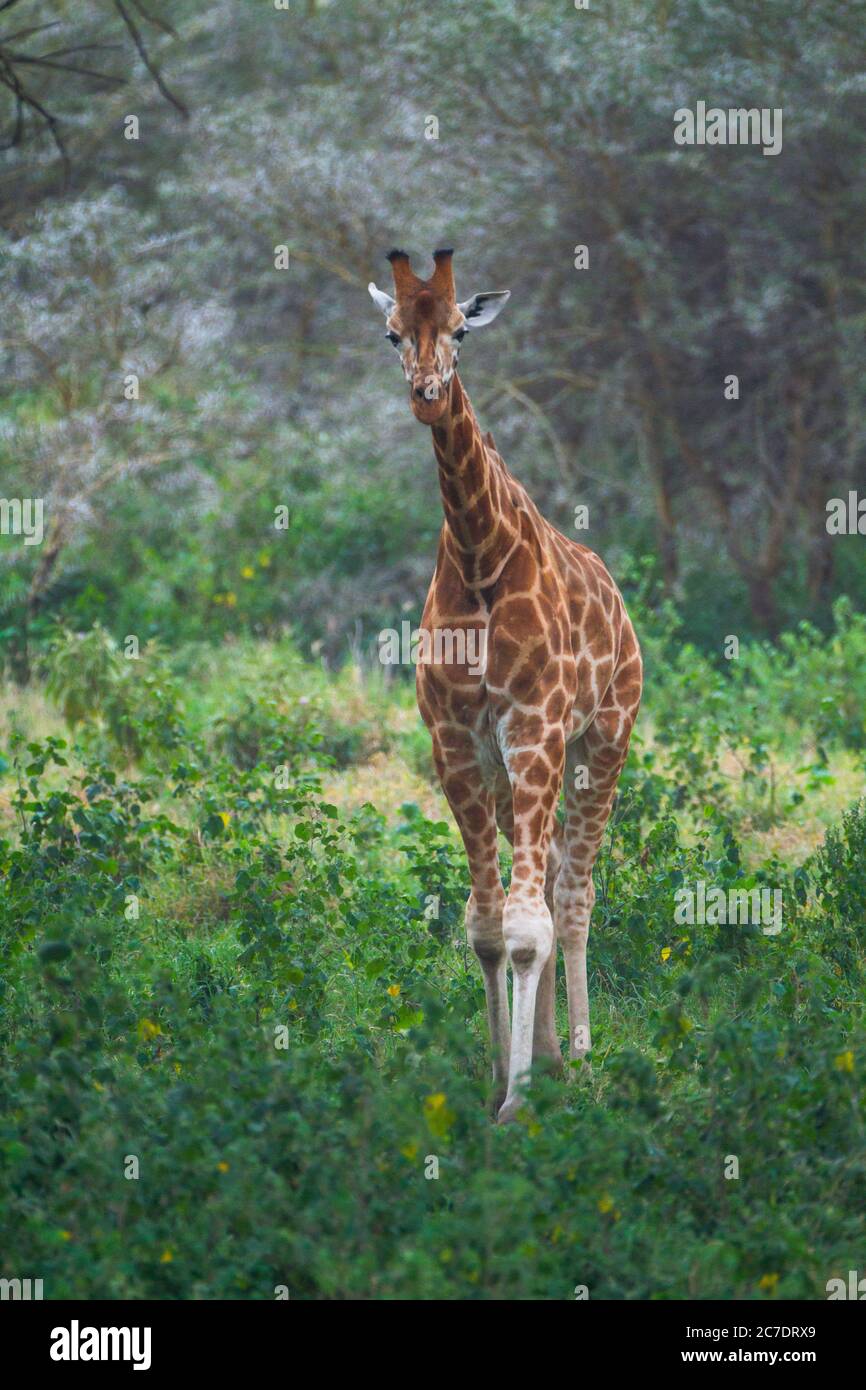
[459,335]
[393,338]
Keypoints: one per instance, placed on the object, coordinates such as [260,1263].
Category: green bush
[286,1066]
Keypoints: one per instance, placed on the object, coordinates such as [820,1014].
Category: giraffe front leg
[484,930]
[545,1042]
[535,776]
[475,813]
[528,929]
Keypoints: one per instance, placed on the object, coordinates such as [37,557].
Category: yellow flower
[666,953]
[148,1029]
[605,1203]
[248,572]
[768,1281]
[393,990]
[222,1166]
[264,559]
[844,1062]
[225,817]
[166,1257]
[65,1235]
[438,1116]
[409,1150]
[231,599]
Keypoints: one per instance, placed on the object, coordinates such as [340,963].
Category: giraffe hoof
[508,1111]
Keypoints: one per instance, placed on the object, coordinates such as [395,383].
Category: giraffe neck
[481,520]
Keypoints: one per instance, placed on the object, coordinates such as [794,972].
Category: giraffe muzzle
[429,398]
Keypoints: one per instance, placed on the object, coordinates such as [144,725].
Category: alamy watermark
[854,1289]
[77,1343]
[759,907]
[846,516]
[22,516]
[737,126]
[443,646]
[15,1289]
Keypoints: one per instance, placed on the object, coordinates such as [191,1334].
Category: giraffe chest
[477,689]
[537,657]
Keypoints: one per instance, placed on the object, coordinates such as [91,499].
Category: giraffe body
[551,710]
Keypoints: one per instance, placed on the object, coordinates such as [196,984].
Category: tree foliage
[308,128]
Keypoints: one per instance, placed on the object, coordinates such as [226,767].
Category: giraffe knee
[490,950]
[528,932]
[484,932]
[572,909]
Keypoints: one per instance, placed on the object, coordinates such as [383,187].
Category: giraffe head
[426,325]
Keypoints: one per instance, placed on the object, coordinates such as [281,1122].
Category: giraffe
[550,709]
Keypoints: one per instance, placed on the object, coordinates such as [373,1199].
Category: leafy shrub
[838,873]
[134,699]
[285,1068]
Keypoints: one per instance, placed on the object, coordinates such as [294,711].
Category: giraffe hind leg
[597,759]
[545,1039]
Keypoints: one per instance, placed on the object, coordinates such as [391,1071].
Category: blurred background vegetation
[259,387]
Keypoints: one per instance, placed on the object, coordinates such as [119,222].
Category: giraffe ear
[482,309]
[384,301]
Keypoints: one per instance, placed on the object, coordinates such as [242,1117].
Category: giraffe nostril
[419,393]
